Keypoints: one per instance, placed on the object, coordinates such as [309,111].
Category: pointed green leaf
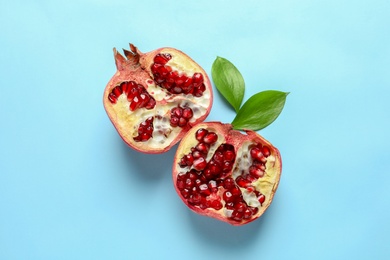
[260,110]
[229,81]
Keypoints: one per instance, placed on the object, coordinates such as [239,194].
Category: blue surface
[71,189]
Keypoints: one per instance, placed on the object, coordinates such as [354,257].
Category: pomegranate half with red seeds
[226,174]
[154,98]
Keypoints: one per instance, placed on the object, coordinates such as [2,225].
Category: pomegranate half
[154,98]
[226,174]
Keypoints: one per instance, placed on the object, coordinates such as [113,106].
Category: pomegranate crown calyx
[259,111]
[132,55]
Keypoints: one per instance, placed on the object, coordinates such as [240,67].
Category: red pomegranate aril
[261,199]
[112,98]
[229,205]
[256,172]
[197,79]
[257,154]
[174,121]
[228,183]
[162,58]
[117,91]
[236,192]
[187,113]
[200,134]
[216,204]
[145,130]
[199,164]
[228,196]
[213,186]
[266,151]
[180,184]
[240,206]
[247,213]
[195,198]
[237,216]
[182,122]
[242,182]
[204,189]
[202,147]
[210,138]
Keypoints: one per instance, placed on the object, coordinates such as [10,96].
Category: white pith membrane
[127,121]
[266,184]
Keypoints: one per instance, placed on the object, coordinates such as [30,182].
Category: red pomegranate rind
[135,94]
[231,177]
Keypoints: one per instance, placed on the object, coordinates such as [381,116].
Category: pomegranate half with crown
[229,171]
[154,98]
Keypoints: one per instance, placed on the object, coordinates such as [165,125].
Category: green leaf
[260,110]
[229,81]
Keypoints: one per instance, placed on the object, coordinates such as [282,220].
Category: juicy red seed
[125,87]
[228,196]
[180,116]
[236,192]
[196,154]
[200,164]
[185,193]
[228,183]
[204,189]
[187,113]
[240,206]
[242,182]
[218,157]
[261,199]
[237,216]
[182,122]
[193,176]
[195,198]
[254,210]
[162,58]
[266,151]
[187,83]
[174,121]
[176,111]
[180,79]
[145,130]
[227,166]
[151,103]
[112,98]
[197,79]
[247,213]
[216,204]
[188,159]
[213,186]
[210,138]
[229,155]
[256,172]
[180,184]
[189,183]
[117,91]
[200,134]
[202,147]
[229,205]
[257,154]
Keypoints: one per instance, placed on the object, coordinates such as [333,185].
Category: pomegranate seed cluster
[180,116]
[136,95]
[209,184]
[173,81]
[145,130]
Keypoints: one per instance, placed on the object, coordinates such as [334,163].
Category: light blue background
[71,189]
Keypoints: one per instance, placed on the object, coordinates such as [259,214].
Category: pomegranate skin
[136,67]
[264,187]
